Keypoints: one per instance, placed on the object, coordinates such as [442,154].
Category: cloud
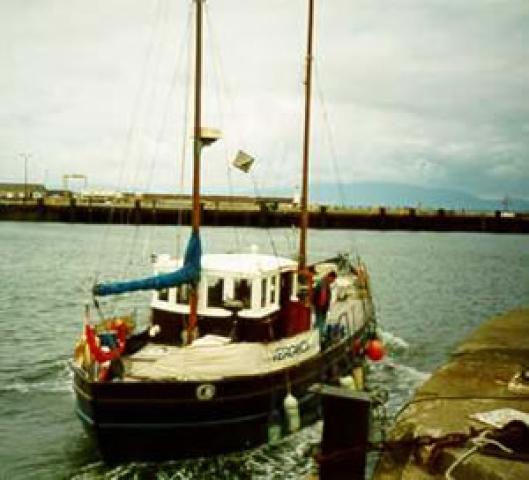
[427,92]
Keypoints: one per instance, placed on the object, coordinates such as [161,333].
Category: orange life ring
[97,352]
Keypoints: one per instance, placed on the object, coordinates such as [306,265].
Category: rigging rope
[330,141]
[151,112]
[128,140]
[187,109]
[330,138]
[268,232]
[142,95]
[221,84]
[159,139]
[151,115]
[480,441]
[165,117]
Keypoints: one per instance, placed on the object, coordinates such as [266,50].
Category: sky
[433,93]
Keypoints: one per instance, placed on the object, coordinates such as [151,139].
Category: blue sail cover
[189,273]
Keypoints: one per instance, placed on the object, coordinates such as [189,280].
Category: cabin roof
[247,264]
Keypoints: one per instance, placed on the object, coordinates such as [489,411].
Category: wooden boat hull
[158,420]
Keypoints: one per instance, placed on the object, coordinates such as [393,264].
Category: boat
[232,347]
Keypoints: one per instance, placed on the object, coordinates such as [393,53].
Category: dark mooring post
[346,416]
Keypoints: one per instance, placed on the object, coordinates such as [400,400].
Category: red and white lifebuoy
[99,354]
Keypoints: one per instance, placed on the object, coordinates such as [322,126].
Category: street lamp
[25,156]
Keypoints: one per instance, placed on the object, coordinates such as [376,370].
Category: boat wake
[399,380]
[288,459]
[392,342]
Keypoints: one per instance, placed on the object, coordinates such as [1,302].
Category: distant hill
[372,194]
[402,195]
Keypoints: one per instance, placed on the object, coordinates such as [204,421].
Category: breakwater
[263,215]
[487,373]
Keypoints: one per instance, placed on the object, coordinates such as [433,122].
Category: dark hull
[166,420]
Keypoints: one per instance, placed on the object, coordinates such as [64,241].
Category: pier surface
[475,379]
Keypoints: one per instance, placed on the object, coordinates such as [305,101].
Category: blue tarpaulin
[189,273]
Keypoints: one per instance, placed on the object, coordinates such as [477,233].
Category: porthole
[206,391]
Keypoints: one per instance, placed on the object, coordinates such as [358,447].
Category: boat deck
[214,358]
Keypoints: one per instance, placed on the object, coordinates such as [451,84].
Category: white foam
[393,342]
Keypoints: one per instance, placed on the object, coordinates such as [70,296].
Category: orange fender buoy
[375,349]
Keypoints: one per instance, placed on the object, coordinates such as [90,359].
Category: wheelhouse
[244,296]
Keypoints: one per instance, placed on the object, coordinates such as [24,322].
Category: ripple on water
[430,289]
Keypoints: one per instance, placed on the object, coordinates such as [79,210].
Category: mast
[195,215]
[195,220]
[304,217]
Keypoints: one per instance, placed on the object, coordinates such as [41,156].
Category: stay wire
[167,111]
[268,232]
[292,233]
[330,137]
[151,115]
[130,132]
[134,157]
[225,86]
[187,110]
[221,84]
[139,164]
[331,143]
[133,246]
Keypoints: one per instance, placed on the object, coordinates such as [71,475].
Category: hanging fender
[97,352]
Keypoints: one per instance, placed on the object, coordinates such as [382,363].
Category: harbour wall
[487,372]
[264,215]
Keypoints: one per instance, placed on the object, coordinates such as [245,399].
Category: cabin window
[163,295]
[215,287]
[273,288]
[264,284]
[243,292]
[182,294]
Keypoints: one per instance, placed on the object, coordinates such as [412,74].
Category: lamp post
[25,156]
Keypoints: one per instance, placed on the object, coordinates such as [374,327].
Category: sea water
[430,290]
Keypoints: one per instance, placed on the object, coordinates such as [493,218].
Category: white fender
[291,407]
[348,382]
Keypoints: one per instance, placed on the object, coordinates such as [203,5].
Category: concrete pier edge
[478,377]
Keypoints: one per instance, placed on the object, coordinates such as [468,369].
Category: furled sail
[189,273]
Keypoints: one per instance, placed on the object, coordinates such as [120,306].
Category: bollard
[346,418]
